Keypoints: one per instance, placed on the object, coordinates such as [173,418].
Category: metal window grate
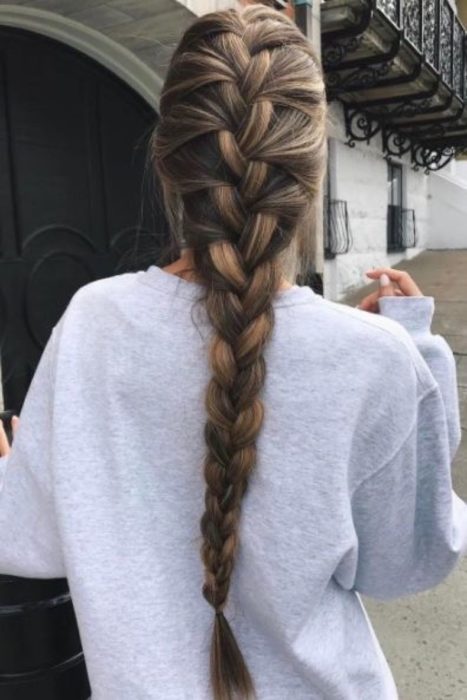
[401,228]
[337,231]
[409,228]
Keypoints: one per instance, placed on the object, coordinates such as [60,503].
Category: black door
[73,206]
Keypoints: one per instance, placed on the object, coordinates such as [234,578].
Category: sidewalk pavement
[424,637]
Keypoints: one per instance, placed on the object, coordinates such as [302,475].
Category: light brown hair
[240,154]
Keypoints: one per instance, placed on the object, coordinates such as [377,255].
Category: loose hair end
[230,677]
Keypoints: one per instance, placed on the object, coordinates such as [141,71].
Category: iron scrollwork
[335,52]
[409,109]
[445,42]
[432,158]
[458,56]
[427,125]
[395,144]
[412,22]
[360,79]
[430,30]
[359,126]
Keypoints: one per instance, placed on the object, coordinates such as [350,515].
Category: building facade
[396,76]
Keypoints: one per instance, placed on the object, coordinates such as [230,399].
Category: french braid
[239,150]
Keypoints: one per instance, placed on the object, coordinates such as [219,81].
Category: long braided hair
[240,153]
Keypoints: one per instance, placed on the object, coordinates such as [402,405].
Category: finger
[15,424]
[401,277]
[386,289]
[372,308]
[4,444]
[370,302]
[373,296]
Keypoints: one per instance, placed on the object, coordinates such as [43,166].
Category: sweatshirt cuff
[414,313]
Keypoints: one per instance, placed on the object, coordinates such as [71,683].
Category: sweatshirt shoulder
[371,332]
[105,288]
[364,322]
[95,304]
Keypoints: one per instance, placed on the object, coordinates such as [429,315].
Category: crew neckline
[169,283]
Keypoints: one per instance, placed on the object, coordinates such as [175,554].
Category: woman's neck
[185,264]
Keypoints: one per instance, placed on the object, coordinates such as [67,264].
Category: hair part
[240,152]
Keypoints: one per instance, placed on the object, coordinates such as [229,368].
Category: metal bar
[462,60]
[438,35]
[464,66]
[421,27]
[451,44]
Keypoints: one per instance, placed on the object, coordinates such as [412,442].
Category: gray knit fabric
[352,492]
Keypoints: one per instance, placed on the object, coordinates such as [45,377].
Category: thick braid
[241,141]
[235,416]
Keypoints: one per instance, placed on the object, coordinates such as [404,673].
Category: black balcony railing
[434,29]
[401,228]
[400,68]
[337,231]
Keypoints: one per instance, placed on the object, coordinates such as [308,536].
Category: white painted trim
[113,56]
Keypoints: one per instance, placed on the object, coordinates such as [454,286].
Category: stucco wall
[201,7]
[448,211]
[359,176]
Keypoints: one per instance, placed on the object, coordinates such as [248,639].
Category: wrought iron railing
[433,28]
[401,228]
[409,228]
[337,230]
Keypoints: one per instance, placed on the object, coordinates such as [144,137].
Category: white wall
[458,169]
[359,176]
[202,7]
[448,210]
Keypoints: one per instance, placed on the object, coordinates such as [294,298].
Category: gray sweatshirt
[352,493]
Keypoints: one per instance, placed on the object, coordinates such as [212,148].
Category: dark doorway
[73,208]
[73,142]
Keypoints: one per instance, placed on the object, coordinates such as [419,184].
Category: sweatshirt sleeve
[415,314]
[411,526]
[29,539]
